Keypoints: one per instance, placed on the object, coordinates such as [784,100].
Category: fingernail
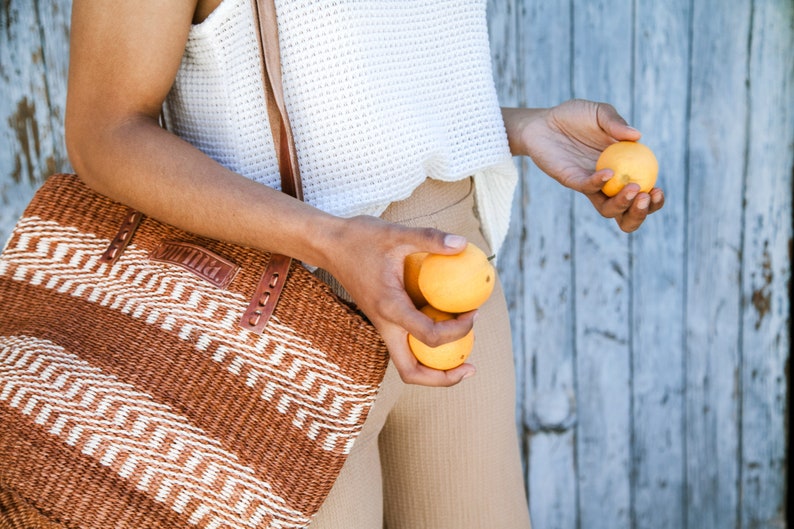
[631,195]
[454,241]
[468,374]
[643,202]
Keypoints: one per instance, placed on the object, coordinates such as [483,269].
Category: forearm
[138,163]
[517,122]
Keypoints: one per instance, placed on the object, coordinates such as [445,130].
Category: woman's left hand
[565,141]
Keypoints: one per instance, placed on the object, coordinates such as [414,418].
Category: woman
[402,147]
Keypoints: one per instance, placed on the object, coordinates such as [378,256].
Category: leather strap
[266,26]
[131,222]
[267,293]
[261,307]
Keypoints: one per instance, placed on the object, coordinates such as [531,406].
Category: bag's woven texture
[130,396]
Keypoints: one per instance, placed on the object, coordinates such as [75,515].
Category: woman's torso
[380,95]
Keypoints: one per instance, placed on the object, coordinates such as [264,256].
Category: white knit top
[381,94]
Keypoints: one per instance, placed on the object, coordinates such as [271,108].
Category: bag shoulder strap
[266,296]
[266,26]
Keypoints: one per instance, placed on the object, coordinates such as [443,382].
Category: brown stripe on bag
[16,511]
[72,488]
[294,380]
[173,372]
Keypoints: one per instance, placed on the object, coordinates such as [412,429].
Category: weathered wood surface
[766,257]
[658,271]
[717,141]
[34,41]
[652,367]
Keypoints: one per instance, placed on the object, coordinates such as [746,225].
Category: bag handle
[268,291]
[266,27]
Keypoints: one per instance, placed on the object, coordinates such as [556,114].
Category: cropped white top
[381,94]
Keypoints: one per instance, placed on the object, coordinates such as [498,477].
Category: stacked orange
[443,286]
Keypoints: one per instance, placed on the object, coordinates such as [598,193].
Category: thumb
[454,243]
[613,123]
[438,241]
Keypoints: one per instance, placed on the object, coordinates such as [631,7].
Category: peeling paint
[762,296]
[6,10]
[23,123]
[6,16]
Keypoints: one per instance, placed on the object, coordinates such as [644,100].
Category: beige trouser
[436,458]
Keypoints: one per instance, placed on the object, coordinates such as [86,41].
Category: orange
[631,162]
[457,283]
[445,356]
[413,263]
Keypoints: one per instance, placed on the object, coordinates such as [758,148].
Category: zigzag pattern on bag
[142,440]
[300,381]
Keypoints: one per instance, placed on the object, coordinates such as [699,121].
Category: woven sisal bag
[135,394]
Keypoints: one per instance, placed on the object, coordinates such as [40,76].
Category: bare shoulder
[123,59]
[125,54]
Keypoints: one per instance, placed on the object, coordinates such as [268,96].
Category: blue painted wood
[547,323]
[652,368]
[660,91]
[766,261]
[33,55]
[680,420]
[717,141]
[602,71]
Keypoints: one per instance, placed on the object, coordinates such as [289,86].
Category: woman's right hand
[367,257]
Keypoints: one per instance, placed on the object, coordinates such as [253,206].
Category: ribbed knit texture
[439,458]
[380,94]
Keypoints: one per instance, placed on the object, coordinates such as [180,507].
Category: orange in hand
[445,356]
[630,162]
[457,283]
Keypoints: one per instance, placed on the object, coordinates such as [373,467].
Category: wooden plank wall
[653,367]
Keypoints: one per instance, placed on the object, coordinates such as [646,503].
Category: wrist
[320,240]
[519,125]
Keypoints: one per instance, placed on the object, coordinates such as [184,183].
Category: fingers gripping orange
[443,286]
[630,162]
[445,356]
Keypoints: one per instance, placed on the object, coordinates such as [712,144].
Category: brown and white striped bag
[140,385]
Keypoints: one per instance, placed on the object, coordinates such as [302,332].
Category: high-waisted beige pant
[438,458]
